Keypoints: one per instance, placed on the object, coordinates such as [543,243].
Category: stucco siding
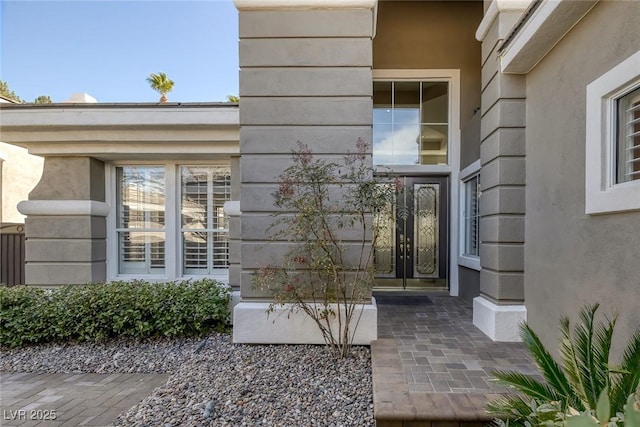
[305,23]
[571,258]
[471,280]
[66,234]
[20,173]
[305,76]
[295,81]
[71,178]
[435,35]
[303,52]
[502,155]
[306,111]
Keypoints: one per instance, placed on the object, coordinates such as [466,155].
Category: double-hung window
[170,221]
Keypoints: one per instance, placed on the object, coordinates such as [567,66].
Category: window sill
[471,262]
[222,278]
[615,199]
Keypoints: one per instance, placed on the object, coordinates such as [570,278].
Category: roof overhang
[493,12]
[123,131]
[541,29]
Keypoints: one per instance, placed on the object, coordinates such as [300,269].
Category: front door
[411,246]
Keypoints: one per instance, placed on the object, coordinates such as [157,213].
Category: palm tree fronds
[592,344]
[527,385]
[512,407]
[624,385]
[547,365]
[161,84]
[570,362]
[585,381]
[603,339]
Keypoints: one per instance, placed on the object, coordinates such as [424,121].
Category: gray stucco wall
[67,249]
[571,258]
[469,283]
[305,75]
[438,35]
[502,154]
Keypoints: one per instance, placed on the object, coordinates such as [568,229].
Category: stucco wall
[66,242]
[20,173]
[435,35]
[572,259]
[305,75]
[438,35]
[469,283]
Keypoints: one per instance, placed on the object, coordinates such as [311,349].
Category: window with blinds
[170,220]
[612,140]
[141,219]
[628,135]
[472,217]
[204,226]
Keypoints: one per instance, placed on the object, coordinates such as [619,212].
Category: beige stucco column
[66,223]
[305,75]
[500,307]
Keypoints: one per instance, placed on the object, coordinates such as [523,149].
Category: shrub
[96,312]
[326,212]
[586,386]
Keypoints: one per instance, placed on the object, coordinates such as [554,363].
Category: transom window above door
[410,122]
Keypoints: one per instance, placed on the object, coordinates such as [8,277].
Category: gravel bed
[214,382]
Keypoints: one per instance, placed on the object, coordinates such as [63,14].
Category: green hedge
[96,312]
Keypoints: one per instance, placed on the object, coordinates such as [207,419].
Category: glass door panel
[425,228]
[411,245]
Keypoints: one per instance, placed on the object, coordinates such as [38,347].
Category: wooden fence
[12,255]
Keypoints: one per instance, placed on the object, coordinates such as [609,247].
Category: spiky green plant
[577,382]
[161,84]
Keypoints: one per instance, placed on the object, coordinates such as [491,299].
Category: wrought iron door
[412,234]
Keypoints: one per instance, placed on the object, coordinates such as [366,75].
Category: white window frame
[452,77]
[453,167]
[146,231]
[173,236]
[211,231]
[602,193]
[466,260]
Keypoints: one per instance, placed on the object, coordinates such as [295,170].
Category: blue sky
[108,48]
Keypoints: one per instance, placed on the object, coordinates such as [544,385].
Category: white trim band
[499,322]
[252,325]
[303,4]
[63,207]
[548,24]
[494,10]
[232,208]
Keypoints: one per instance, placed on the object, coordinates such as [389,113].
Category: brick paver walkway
[29,399]
[431,364]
